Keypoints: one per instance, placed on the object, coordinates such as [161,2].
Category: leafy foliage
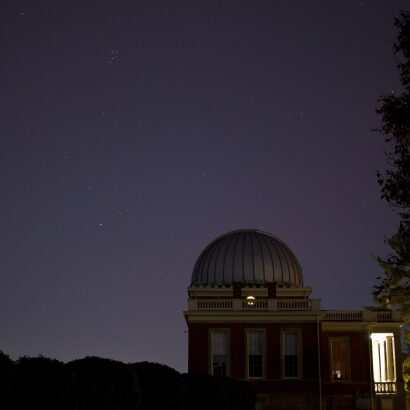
[395,113]
[393,289]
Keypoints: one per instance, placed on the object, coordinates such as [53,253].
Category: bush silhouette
[6,377]
[102,384]
[94,383]
[38,382]
[204,392]
[161,386]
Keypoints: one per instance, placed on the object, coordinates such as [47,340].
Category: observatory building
[251,317]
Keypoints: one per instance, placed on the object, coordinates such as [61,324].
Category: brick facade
[250,317]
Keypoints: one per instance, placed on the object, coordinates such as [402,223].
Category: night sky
[135,132]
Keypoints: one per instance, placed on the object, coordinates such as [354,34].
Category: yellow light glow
[380,336]
[250,300]
[383,358]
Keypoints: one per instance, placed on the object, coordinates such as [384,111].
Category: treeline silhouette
[104,384]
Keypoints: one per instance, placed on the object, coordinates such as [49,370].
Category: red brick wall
[198,360]
[198,348]
[359,363]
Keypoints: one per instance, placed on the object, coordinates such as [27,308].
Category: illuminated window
[255,345]
[384,367]
[219,353]
[339,355]
[291,353]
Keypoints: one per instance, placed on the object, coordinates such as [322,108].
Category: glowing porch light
[384,358]
[250,300]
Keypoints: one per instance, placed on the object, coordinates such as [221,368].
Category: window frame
[348,372]
[228,349]
[247,332]
[298,333]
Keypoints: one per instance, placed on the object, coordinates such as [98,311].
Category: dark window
[255,354]
[219,353]
[291,354]
[339,349]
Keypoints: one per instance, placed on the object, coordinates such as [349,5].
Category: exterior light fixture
[250,300]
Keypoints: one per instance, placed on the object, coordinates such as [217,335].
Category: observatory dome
[249,257]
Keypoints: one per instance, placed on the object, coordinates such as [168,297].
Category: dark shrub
[6,378]
[161,386]
[38,382]
[102,384]
[204,392]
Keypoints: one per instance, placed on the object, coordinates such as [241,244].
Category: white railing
[290,304]
[214,304]
[256,305]
[293,304]
[258,292]
[385,387]
[384,316]
[343,315]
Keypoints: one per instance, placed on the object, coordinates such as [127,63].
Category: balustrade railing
[384,316]
[261,304]
[256,305]
[385,387]
[292,304]
[214,304]
[344,315]
[283,305]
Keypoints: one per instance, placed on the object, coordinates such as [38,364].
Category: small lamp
[250,300]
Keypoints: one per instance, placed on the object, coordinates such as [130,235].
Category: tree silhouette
[6,378]
[393,289]
[94,383]
[38,382]
[101,384]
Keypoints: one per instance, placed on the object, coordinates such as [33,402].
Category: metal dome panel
[249,257]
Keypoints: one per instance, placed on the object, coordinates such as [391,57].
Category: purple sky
[135,132]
